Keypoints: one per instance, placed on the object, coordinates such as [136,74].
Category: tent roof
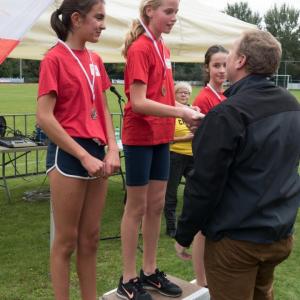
[198,27]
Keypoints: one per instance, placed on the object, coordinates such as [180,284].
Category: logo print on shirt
[168,63]
[181,122]
[94,70]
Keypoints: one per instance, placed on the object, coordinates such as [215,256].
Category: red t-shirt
[61,73]
[144,65]
[207,99]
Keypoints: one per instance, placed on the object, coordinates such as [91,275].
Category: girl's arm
[112,159]
[47,121]
[140,104]
[186,138]
[178,104]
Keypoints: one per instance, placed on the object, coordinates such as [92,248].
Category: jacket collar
[248,82]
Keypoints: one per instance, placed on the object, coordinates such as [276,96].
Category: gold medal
[94,113]
[163,90]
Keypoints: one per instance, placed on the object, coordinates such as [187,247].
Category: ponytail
[61,21]
[137,28]
[58,26]
[135,31]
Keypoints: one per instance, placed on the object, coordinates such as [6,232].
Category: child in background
[214,77]
[72,110]
[181,159]
[210,96]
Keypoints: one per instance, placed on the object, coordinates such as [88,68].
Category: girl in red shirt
[210,96]
[148,128]
[72,110]
[214,77]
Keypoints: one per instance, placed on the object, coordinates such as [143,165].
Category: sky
[260,6]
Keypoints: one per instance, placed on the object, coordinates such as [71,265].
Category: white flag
[16,17]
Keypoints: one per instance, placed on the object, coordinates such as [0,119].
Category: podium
[190,292]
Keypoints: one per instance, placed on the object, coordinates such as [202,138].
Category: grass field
[24,234]
[16,98]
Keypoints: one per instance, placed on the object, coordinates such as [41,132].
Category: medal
[163,90]
[94,114]
[161,56]
[214,91]
[94,71]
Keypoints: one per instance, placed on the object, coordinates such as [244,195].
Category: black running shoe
[132,290]
[160,283]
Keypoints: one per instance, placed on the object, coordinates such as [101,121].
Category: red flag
[16,17]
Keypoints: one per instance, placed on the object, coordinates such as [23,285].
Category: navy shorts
[144,163]
[69,165]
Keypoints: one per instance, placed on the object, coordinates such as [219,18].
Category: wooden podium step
[190,292]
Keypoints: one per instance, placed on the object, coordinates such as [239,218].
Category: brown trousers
[239,270]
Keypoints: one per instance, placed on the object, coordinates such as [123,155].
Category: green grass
[21,98]
[296,93]
[24,234]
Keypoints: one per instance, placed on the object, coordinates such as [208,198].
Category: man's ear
[241,61]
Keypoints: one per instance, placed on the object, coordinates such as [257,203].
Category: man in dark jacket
[244,191]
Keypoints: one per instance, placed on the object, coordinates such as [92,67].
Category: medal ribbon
[91,83]
[162,57]
[214,91]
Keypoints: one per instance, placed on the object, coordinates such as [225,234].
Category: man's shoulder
[253,105]
[226,114]
[270,98]
[225,107]
[288,95]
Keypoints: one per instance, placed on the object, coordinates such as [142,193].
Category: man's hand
[181,252]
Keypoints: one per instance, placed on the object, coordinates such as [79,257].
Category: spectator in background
[244,192]
[181,159]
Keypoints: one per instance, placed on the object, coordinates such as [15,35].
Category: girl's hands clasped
[112,162]
[94,166]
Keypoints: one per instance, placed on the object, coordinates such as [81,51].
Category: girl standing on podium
[72,110]
[148,128]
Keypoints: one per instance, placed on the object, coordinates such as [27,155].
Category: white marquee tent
[198,26]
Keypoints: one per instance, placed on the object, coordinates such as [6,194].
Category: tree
[284,24]
[9,68]
[187,72]
[242,11]
[115,70]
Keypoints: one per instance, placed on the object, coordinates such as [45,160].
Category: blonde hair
[136,28]
[262,51]
[183,85]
